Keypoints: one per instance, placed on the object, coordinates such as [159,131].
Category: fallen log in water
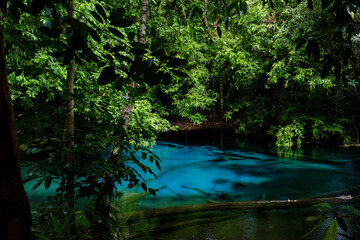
[251,205]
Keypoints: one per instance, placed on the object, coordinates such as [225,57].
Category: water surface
[214,166]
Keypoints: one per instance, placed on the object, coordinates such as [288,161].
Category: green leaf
[78,26]
[143,155]
[351,209]
[123,23]
[140,45]
[37,6]
[53,33]
[144,187]
[158,165]
[116,32]
[149,72]
[28,179]
[36,185]
[219,31]
[176,62]
[324,205]
[244,7]
[55,224]
[66,224]
[325,3]
[94,34]
[159,52]
[151,159]
[310,5]
[271,3]
[119,83]
[314,218]
[118,48]
[69,56]
[342,223]
[97,16]
[14,12]
[133,157]
[23,147]
[47,182]
[152,192]
[107,75]
[117,15]
[121,58]
[316,226]
[101,11]
[157,78]
[179,73]
[331,231]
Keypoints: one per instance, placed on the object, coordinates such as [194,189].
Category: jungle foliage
[287,69]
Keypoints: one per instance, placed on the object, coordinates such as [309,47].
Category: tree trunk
[221,99]
[205,21]
[15,218]
[69,137]
[103,199]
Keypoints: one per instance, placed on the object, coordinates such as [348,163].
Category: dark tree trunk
[221,99]
[15,219]
[69,136]
[105,194]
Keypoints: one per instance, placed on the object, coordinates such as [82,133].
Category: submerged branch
[244,205]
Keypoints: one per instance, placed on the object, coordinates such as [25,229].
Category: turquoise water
[197,173]
[203,168]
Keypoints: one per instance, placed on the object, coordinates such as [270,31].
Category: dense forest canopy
[93,83]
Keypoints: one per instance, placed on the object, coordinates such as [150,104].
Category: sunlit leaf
[331,231]
[351,209]
[324,205]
